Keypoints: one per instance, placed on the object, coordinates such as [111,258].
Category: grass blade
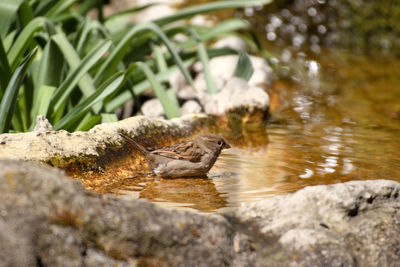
[244,68]
[59,8]
[141,86]
[5,71]
[9,100]
[65,89]
[88,121]
[41,107]
[130,11]
[24,40]
[108,117]
[74,61]
[8,11]
[110,65]
[103,91]
[168,101]
[203,57]
[207,8]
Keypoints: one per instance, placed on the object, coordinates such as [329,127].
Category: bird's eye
[219,143]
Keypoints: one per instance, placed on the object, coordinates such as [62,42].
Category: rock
[42,124]
[236,95]
[349,224]
[202,21]
[222,69]
[190,107]
[62,224]
[153,108]
[232,42]
[48,219]
[87,151]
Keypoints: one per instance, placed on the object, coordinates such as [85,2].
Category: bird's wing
[182,151]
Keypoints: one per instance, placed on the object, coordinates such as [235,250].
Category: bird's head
[213,141]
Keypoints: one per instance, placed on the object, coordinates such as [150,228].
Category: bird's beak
[226,145]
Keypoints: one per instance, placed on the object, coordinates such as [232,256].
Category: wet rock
[89,150]
[153,108]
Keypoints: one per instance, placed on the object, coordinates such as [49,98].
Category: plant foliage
[57,62]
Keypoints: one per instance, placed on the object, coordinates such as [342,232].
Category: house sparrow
[186,159]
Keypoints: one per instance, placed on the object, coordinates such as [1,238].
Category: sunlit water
[335,120]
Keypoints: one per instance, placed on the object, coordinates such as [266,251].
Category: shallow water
[332,121]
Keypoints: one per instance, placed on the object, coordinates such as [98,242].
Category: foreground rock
[48,219]
[350,224]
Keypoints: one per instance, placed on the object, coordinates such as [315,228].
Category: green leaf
[112,61]
[65,89]
[141,86]
[25,14]
[103,91]
[86,5]
[161,62]
[207,8]
[244,68]
[88,121]
[24,40]
[49,70]
[73,60]
[168,101]
[59,7]
[8,12]
[217,31]
[203,56]
[41,107]
[84,34]
[108,117]
[5,71]
[130,11]
[9,99]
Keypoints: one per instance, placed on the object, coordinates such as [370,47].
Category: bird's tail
[134,143]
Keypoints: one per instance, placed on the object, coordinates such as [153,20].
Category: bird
[187,159]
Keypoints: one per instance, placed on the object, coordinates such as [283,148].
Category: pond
[335,120]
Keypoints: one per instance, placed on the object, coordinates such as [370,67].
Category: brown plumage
[186,159]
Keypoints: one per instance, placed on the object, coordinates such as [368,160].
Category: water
[335,118]
[332,121]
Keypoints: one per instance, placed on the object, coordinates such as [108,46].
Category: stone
[190,107]
[89,150]
[42,124]
[347,224]
[222,69]
[153,108]
[232,42]
[48,219]
[236,95]
[60,223]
